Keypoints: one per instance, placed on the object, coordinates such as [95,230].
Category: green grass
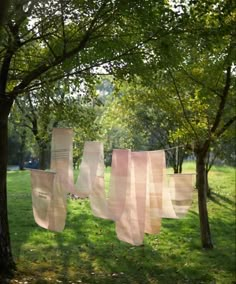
[87,251]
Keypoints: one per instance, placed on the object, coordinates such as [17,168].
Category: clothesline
[180,146]
[165,149]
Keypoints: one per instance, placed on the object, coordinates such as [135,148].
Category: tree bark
[3,10]
[208,189]
[42,155]
[202,199]
[21,157]
[42,146]
[6,259]
[178,159]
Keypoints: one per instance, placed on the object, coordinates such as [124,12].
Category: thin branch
[215,91]
[63,28]
[182,104]
[225,126]
[223,98]
[29,117]
[44,67]
[34,38]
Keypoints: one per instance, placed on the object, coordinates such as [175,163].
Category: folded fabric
[48,200]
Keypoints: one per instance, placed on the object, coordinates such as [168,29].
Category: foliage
[48,40]
[44,41]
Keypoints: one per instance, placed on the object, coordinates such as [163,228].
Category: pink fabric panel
[48,201]
[130,227]
[58,208]
[167,205]
[62,157]
[156,172]
[88,168]
[181,186]
[119,182]
[97,197]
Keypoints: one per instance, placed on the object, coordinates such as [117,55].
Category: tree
[147,117]
[199,116]
[3,8]
[44,41]
[52,106]
[17,141]
[200,74]
[194,77]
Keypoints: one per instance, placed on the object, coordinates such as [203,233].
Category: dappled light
[89,251]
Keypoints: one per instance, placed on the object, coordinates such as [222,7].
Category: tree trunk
[202,200]
[42,156]
[178,159]
[21,157]
[208,189]
[6,259]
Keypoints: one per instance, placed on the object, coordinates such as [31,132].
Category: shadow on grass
[87,251]
[99,257]
[220,199]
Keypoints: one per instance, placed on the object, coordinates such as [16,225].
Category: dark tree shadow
[89,251]
[221,199]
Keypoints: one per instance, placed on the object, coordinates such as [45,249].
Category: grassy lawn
[87,251]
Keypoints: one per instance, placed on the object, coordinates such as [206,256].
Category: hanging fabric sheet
[119,183]
[138,197]
[130,226]
[90,182]
[181,188]
[62,157]
[156,173]
[48,200]
[91,178]
[167,205]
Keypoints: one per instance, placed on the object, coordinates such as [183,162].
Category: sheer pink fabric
[130,226]
[181,186]
[119,182]
[156,174]
[94,159]
[62,157]
[167,205]
[89,168]
[138,198]
[48,200]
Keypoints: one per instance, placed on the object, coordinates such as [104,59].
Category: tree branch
[190,76]
[223,98]
[44,67]
[225,126]
[5,71]
[182,104]
[29,117]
